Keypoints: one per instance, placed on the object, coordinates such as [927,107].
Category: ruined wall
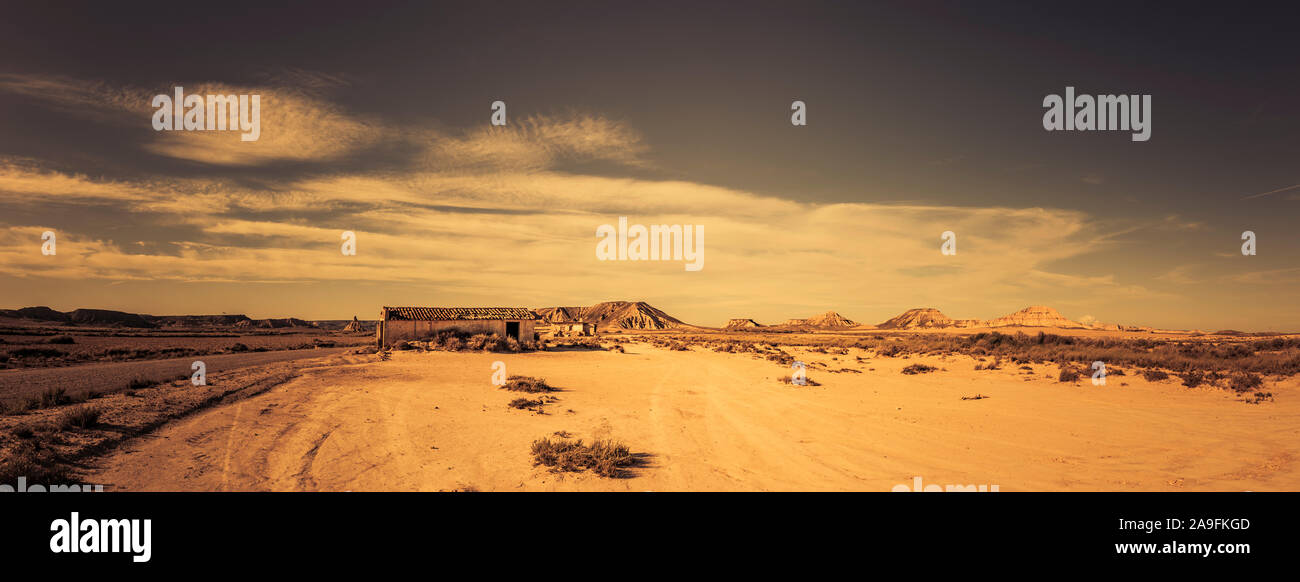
[392,332]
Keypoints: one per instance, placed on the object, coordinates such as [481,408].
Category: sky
[922,118]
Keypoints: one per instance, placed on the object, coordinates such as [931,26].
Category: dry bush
[605,458]
[1192,379]
[1068,374]
[579,343]
[1245,382]
[996,364]
[526,404]
[40,465]
[918,369]
[1259,397]
[527,384]
[1154,375]
[85,416]
[50,398]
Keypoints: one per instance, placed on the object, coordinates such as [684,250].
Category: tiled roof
[451,313]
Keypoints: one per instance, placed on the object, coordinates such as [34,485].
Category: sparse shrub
[37,353]
[1192,379]
[1068,374]
[61,339]
[605,458]
[238,347]
[37,465]
[526,404]
[84,416]
[1155,375]
[891,350]
[527,384]
[1245,382]
[478,341]
[139,382]
[918,369]
[1259,397]
[53,397]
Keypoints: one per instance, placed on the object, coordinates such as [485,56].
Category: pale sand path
[717,421]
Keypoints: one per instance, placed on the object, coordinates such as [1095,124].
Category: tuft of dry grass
[527,404]
[606,458]
[85,416]
[1245,382]
[1154,375]
[38,464]
[918,369]
[527,384]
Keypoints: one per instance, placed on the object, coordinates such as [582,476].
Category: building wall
[391,332]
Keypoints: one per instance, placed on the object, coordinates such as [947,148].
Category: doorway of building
[512,329]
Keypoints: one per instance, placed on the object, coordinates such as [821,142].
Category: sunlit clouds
[498,216]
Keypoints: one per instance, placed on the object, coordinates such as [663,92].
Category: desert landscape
[645,402]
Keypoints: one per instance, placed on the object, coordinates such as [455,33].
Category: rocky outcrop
[1034,316]
[919,318]
[614,314]
[829,319]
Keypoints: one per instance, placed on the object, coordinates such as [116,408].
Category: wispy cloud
[1262,194]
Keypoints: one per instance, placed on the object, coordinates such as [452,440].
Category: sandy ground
[719,421]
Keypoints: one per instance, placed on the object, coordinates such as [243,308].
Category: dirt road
[17,385]
[718,421]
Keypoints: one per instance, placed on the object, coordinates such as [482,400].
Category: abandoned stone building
[573,328]
[417,323]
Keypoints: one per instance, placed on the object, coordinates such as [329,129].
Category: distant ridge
[275,323]
[110,318]
[742,323]
[1032,316]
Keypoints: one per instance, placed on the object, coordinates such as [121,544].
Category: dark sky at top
[903,96]
[909,102]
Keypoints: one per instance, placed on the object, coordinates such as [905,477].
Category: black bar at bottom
[659,531]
